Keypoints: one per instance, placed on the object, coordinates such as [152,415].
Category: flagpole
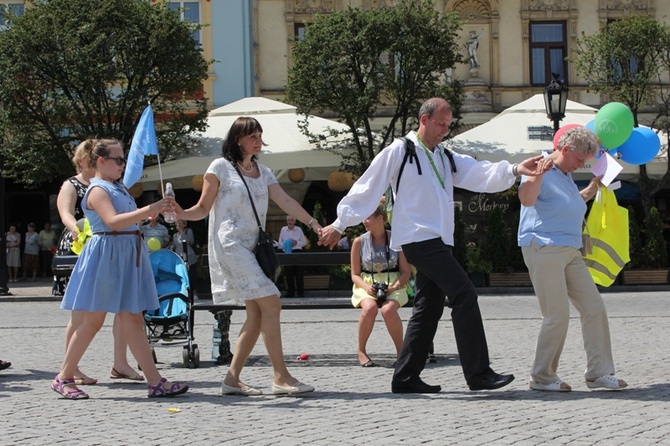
[160,176]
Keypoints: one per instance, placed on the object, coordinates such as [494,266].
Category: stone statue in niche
[472,45]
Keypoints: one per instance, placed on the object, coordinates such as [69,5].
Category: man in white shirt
[294,273]
[157,230]
[423,228]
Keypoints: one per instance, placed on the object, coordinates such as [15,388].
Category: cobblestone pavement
[352,405]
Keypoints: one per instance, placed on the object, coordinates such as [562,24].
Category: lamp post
[555,100]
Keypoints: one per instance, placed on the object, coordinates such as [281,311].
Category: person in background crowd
[292,239]
[345,242]
[47,248]
[31,252]
[550,236]
[380,275]
[113,273]
[69,208]
[233,234]
[13,240]
[156,230]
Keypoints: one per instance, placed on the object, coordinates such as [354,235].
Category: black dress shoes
[490,380]
[415,386]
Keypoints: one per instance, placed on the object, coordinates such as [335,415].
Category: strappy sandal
[158,391]
[58,385]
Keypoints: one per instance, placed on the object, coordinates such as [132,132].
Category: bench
[509,279]
[645,277]
[223,312]
[321,282]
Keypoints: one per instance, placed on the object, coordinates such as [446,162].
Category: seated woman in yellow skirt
[380,275]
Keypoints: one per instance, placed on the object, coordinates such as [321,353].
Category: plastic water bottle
[169,217]
[216,340]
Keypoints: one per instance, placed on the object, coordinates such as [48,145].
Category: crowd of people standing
[31,253]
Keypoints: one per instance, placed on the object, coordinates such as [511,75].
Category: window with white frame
[548,50]
[190,12]
[7,10]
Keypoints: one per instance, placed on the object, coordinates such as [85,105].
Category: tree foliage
[622,59]
[626,61]
[655,247]
[73,69]
[497,246]
[355,63]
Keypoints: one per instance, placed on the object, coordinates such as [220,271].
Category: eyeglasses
[120,161]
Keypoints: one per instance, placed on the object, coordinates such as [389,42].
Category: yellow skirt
[359,293]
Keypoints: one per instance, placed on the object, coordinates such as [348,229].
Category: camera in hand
[380,291]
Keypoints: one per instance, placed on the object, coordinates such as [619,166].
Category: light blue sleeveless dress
[106,276]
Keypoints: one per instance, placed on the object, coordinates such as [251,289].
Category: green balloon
[613,124]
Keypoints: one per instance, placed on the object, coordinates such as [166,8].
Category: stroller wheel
[185,358]
[196,357]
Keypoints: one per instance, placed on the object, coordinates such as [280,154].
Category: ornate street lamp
[555,100]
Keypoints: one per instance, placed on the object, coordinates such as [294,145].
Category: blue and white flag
[144,143]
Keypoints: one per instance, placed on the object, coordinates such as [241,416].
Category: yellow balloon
[154,244]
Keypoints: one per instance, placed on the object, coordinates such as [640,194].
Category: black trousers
[295,278]
[439,275]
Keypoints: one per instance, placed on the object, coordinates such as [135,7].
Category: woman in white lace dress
[233,233]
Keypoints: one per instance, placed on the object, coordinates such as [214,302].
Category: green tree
[355,62]
[460,250]
[73,69]
[497,245]
[635,243]
[656,253]
[624,61]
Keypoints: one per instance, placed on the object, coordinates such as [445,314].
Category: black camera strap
[388,258]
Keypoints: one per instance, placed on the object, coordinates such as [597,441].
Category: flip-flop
[134,377]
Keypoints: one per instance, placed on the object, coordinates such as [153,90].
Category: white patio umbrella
[287,147]
[515,134]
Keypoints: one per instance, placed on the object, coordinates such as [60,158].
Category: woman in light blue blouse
[550,236]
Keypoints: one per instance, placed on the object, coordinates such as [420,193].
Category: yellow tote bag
[607,224]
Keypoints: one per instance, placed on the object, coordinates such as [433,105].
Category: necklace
[251,167]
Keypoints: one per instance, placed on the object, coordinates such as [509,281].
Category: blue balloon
[641,146]
[591,125]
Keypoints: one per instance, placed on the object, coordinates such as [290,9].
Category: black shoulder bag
[265,251]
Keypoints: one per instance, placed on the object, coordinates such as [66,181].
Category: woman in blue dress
[113,273]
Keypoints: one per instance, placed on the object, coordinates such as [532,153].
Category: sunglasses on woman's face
[120,161]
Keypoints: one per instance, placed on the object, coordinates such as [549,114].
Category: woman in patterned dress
[233,233]
[113,273]
[69,207]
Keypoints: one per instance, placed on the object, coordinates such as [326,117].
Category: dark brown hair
[243,126]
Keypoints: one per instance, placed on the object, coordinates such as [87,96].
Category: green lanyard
[430,158]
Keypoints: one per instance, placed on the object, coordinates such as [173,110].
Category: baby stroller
[174,319]
[62,266]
